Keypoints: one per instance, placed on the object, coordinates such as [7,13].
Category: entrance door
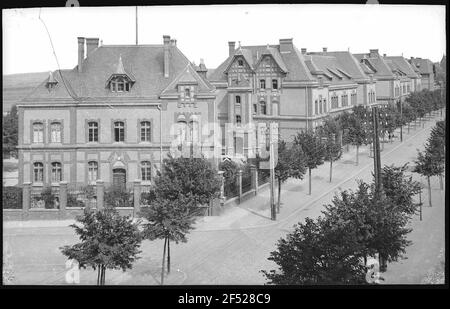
[119,177]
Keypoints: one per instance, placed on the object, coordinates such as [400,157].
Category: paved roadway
[233,248]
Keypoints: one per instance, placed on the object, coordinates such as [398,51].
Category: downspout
[160,137]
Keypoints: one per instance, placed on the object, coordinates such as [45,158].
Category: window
[92,171]
[324,105]
[274,84]
[316,107]
[320,106]
[92,131]
[119,131]
[255,108]
[38,172]
[56,172]
[262,83]
[187,93]
[238,119]
[55,132]
[146,170]
[263,107]
[240,63]
[145,131]
[38,132]
[238,99]
[120,84]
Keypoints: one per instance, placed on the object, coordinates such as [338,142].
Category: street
[233,248]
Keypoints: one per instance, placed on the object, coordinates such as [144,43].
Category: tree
[108,241]
[10,131]
[314,254]
[188,176]
[333,149]
[427,166]
[358,131]
[230,171]
[313,150]
[436,147]
[170,220]
[400,188]
[290,164]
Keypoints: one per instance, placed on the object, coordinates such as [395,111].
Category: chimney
[91,45]
[384,55]
[303,51]
[373,53]
[173,42]
[80,53]
[286,45]
[324,49]
[201,69]
[166,40]
[231,48]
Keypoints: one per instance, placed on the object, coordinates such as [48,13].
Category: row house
[114,116]
[279,83]
[426,69]
[410,79]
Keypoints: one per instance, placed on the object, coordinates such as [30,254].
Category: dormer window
[120,84]
[51,82]
[187,93]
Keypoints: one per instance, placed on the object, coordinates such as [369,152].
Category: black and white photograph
[259,145]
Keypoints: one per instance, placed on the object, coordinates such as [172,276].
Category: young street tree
[436,147]
[313,150]
[427,166]
[333,149]
[10,132]
[108,241]
[170,220]
[358,132]
[314,254]
[188,176]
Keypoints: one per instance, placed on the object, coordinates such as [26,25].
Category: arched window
[145,131]
[187,93]
[56,172]
[38,172]
[38,132]
[92,131]
[92,171]
[55,132]
[274,84]
[119,131]
[263,107]
[262,83]
[146,170]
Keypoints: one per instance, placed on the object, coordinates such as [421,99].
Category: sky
[204,31]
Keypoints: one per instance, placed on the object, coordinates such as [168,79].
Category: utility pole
[136,25]
[273,213]
[401,121]
[376,150]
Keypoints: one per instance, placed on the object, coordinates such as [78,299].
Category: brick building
[114,116]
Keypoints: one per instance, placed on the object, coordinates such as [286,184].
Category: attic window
[120,84]
[51,85]
[240,63]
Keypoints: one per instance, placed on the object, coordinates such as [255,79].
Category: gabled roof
[188,76]
[324,64]
[349,65]
[403,65]
[425,66]
[382,70]
[293,63]
[143,63]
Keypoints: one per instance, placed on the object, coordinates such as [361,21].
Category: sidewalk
[255,212]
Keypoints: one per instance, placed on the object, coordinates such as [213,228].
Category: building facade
[426,69]
[114,116]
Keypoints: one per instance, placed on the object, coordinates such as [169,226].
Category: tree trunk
[429,190]
[98,275]
[168,256]
[102,275]
[279,196]
[331,169]
[163,261]
[309,181]
[441,183]
[357,154]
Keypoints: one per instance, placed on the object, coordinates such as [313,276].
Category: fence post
[100,194]
[26,199]
[137,196]
[254,174]
[239,180]
[62,198]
